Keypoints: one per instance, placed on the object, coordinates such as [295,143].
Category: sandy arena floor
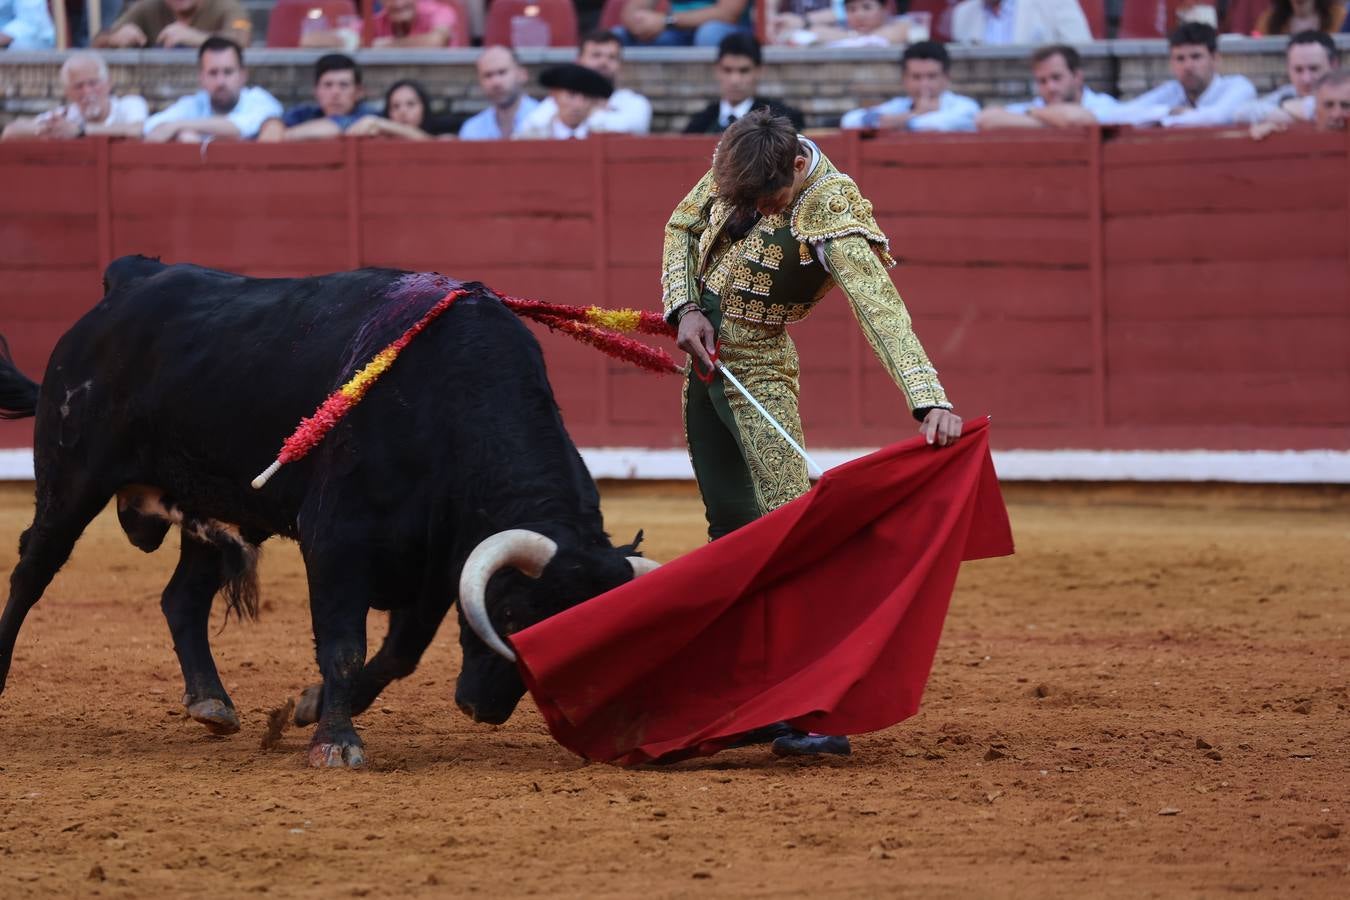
[1150,699]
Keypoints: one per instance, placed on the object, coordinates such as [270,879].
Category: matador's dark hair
[754,158]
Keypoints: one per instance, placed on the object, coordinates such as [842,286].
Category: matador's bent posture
[753,247]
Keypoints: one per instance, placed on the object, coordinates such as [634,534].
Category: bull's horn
[642,565]
[527,551]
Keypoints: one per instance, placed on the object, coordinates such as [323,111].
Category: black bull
[178,387]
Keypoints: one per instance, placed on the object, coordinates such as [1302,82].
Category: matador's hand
[941,426]
[697,338]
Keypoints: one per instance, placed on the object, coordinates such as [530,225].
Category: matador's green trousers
[743,466]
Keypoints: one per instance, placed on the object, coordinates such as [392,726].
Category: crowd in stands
[583,97]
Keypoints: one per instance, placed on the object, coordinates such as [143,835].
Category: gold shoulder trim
[833,207]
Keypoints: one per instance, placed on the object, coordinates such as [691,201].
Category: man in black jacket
[738,62]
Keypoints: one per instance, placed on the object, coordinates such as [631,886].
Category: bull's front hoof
[309,706]
[335,755]
[218,717]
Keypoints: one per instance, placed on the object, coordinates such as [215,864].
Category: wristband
[670,21]
[686,310]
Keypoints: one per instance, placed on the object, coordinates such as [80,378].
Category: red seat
[283,25]
[1148,18]
[560,15]
[1095,11]
[1242,15]
[941,11]
[460,36]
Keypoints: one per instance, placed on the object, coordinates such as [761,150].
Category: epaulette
[833,207]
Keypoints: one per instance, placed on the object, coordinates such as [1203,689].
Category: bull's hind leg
[410,633]
[43,550]
[187,606]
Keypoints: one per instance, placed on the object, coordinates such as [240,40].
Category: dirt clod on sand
[1144,615]
[278,720]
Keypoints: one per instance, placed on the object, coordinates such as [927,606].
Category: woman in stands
[407,115]
[1293,16]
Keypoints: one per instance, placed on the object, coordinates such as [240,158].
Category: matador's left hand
[941,426]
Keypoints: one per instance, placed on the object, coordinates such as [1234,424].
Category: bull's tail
[18,392]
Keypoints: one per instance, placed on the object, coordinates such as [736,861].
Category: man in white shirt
[224,109]
[1001,22]
[1309,56]
[1198,95]
[502,80]
[577,93]
[625,112]
[928,104]
[90,108]
[1062,99]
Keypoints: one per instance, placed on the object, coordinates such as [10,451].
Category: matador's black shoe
[799,744]
[765,735]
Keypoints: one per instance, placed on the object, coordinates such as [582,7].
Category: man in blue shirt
[1063,100]
[337,93]
[928,104]
[1197,95]
[502,79]
[224,109]
[26,25]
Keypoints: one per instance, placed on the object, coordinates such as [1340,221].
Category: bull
[455,478]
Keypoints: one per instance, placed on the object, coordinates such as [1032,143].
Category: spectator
[1333,101]
[1294,16]
[999,22]
[177,23]
[407,115]
[577,92]
[626,111]
[502,80]
[1309,56]
[928,103]
[26,25]
[697,23]
[737,68]
[224,109]
[1331,108]
[415,23]
[1198,95]
[337,95]
[1062,99]
[90,107]
[867,23]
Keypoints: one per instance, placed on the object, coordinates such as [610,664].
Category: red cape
[826,613]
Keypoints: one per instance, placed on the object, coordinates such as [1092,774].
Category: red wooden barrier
[1153,291]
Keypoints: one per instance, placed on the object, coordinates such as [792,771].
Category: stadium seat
[941,10]
[460,37]
[1095,10]
[1242,15]
[560,15]
[1148,18]
[283,25]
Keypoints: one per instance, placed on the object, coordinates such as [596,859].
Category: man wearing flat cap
[577,92]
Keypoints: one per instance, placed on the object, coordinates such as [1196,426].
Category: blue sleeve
[956,115]
[893,107]
[298,115]
[31,28]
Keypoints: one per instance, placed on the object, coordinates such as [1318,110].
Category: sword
[759,408]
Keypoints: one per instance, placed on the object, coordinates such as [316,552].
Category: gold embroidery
[761,283]
[683,236]
[767,358]
[854,264]
[735,307]
[772,257]
[833,207]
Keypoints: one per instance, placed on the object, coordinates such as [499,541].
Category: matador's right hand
[696,337]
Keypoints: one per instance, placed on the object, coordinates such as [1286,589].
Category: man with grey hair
[90,107]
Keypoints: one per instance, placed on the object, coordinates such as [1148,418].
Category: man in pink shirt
[415,23]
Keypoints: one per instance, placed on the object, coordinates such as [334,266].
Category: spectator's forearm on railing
[437,37]
[999,119]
